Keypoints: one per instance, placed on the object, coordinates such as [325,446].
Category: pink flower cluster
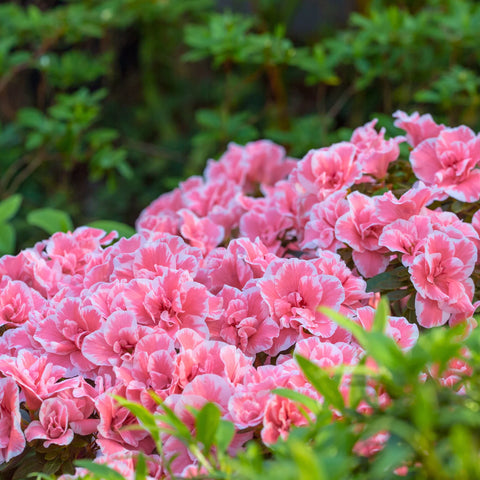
[220,287]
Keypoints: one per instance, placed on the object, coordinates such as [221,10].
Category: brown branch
[25,173]
[44,47]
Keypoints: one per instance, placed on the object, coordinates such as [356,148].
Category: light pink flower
[12,440]
[239,263]
[172,301]
[360,228]
[407,237]
[441,278]
[418,127]
[37,378]
[327,170]
[293,291]
[399,329]
[169,252]
[63,332]
[412,202]
[17,300]
[52,424]
[374,152]
[115,341]
[450,163]
[320,229]
[328,355]
[244,321]
[268,224]
[71,250]
[113,437]
[152,368]
[202,233]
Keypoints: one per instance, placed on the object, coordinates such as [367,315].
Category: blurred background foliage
[106,104]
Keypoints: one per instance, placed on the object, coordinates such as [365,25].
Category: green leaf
[103,472]
[50,220]
[141,468]
[224,435]
[122,229]
[321,381]
[180,430]
[381,314]
[206,423]
[301,398]
[9,207]
[391,280]
[7,239]
[143,415]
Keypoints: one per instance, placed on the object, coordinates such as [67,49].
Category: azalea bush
[225,294]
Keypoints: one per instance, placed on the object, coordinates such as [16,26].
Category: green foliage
[89,108]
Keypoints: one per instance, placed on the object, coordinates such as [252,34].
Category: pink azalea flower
[399,329]
[244,321]
[418,127]
[113,437]
[115,340]
[328,355]
[293,291]
[330,263]
[281,414]
[450,163]
[360,228]
[327,170]
[412,202]
[320,228]
[37,378]
[17,300]
[169,252]
[407,237]
[71,250]
[63,332]
[268,224]
[202,233]
[441,278]
[152,368]
[239,263]
[52,424]
[12,440]
[374,152]
[171,301]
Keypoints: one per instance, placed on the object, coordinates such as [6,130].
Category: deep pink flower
[12,440]
[450,163]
